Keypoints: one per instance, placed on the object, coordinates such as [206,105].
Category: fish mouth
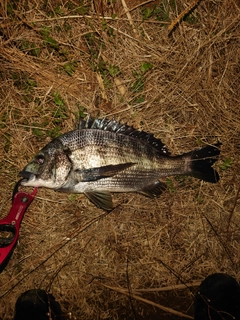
[28,178]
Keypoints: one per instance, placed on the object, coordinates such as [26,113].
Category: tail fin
[202,161]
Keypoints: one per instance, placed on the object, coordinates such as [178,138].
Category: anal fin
[102,200]
[154,190]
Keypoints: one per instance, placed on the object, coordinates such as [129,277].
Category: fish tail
[201,161]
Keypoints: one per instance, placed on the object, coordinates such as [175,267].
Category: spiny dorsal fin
[117,127]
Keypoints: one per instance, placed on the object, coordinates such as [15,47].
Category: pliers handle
[10,225]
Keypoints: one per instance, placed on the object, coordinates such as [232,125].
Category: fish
[103,156]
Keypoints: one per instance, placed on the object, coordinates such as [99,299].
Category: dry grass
[146,253]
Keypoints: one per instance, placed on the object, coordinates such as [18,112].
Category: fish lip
[28,178]
[27,175]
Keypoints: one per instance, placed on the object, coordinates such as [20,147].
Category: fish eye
[40,159]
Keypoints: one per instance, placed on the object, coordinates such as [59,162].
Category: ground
[168,67]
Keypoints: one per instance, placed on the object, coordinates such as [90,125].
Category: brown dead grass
[146,253]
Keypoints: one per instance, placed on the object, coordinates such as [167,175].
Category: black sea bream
[104,156]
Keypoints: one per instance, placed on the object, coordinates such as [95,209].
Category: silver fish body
[104,156]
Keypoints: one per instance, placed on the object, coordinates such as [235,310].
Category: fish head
[49,168]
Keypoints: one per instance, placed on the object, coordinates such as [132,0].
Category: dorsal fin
[117,127]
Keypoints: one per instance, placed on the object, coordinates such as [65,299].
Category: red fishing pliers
[10,225]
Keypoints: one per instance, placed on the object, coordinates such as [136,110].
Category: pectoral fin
[102,200]
[154,190]
[93,174]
